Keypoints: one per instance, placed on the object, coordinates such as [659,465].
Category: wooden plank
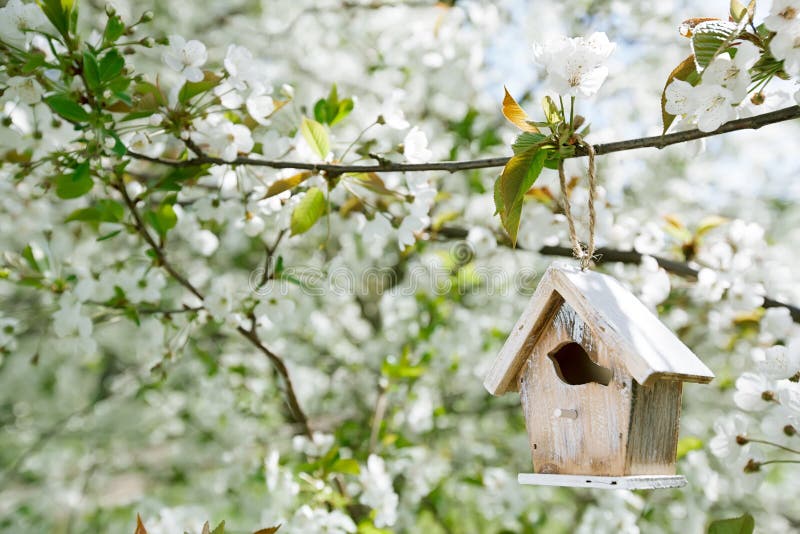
[543,304]
[594,441]
[650,350]
[648,482]
[654,427]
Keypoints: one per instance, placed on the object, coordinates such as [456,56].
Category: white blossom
[714,106]
[18,20]
[415,146]
[724,444]
[786,46]
[783,15]
[575,65]
[733,73]
[186,57]
[378,491]
[26,89]
[750,392]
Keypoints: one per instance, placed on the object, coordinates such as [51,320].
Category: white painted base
[592,481]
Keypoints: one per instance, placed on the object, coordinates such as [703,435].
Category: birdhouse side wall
[575,429]
[654,427]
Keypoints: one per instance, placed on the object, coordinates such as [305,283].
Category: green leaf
[744,524]
[710,38]
[519,175]
[58,13]
[308,211]
[316,136]
[526,141]
[111,65]
[35,60]
[192,89]
[27,254]
[347,466]
[75,184]
[103,210]
[343,110]
[114,29]
[91,70]
[685,71]
[284,184]
[332,110]
[65,106]
[220,529]
[163,218]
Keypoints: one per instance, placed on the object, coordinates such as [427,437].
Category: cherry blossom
[575,65]
[186,57]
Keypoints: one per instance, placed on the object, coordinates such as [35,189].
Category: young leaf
[268,530]
[114,29]
[526,141]
[308,211]
[111,65]
[91,70]
[220,529]
[516,115]
[347,466]
[739,11]
[316,136]
[76,184]
[284,184]
[58,13]
[710,38]
[192,89]
[103,210]
[163,218]
[744,524]
[551,111]
[66,107]
[685,71]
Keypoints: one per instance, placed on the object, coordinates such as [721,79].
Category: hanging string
[584,255]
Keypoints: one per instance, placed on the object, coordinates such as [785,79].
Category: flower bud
[147,16]
[110,10]
[752,466]
[148,42]
[789,430]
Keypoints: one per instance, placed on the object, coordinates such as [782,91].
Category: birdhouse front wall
[577,398]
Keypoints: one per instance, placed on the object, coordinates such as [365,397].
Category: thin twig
[277,362]
[773,444]
[659,141]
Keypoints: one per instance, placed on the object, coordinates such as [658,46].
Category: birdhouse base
[591,481]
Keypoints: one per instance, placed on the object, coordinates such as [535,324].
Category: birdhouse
[599,379]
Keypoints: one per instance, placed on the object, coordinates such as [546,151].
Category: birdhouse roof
[645,346]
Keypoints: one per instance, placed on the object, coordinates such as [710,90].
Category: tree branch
[610,255]
[659,141]
[277,362]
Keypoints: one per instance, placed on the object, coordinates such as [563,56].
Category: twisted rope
[584,255]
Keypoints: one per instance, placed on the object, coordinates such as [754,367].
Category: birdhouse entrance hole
[574,366]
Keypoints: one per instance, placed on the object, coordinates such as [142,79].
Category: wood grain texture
[595,441]
[654,426]
[647,348]
[501,378]
[628,483]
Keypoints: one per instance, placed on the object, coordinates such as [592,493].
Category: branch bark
[611,255]
[659,141]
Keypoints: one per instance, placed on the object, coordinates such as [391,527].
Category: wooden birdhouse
[599,378]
